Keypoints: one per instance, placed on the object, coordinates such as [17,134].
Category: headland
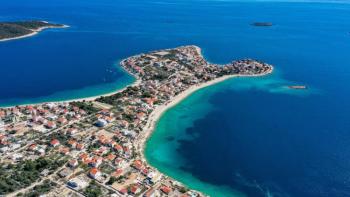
[23,29]
[108,134]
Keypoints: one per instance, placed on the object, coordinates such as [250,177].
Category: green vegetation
[41,189]
[60,137]
[23,174]
[113,99]
[106,168]
[112,180]
[16,29]
[86,106]
[93,190]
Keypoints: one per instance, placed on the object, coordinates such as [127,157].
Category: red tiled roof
[94,171]
[165,189]
[54,142]
[137,164]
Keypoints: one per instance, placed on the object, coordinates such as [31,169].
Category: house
[102,150]
[118,148]
[62,120]
[127,151]
[54,143]
[95,162]
[73,163]
[129,133]
[79,146]
[134,189]
[141,116]
[65,172]
[117,172]
[124,123]
[153,177]
[32,147]
[50,125]
[151,193]
[36,118]
[72,131]
[109,119]
[119,162]
[137,165]
[41,151]
[165,189]
[110,157]
[123,191]
[102,139]
[95,173]
[144,171]
[83,156]
[64,150]
[72,143]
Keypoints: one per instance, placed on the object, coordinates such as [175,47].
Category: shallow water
[247,136]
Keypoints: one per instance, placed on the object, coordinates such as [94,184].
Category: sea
[241,137]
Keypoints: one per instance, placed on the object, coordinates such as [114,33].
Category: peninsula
[22,29]
[95,147]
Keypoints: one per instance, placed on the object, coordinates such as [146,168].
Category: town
[95,147]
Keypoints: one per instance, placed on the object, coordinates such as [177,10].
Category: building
[95,173]
[54,143]
[101,123]
[73,163]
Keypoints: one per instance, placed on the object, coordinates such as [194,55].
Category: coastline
[158,110]
[93,98]
[35,32]
[161,109]
[88,98]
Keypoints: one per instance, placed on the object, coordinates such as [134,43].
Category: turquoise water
[247,136]
[254,136]
[178,125]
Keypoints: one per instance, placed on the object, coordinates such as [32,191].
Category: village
[95,147]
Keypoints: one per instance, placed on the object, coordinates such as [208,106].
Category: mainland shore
[114,127]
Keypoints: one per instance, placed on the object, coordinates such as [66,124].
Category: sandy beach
[93,98]
[159,110]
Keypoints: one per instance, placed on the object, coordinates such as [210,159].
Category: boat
[262,24]
[297,87]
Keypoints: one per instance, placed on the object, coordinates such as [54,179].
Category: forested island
[21,29]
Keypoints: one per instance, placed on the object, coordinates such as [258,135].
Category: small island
[22,29]
[262,24]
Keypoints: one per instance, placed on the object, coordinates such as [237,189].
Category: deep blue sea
[242,137]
